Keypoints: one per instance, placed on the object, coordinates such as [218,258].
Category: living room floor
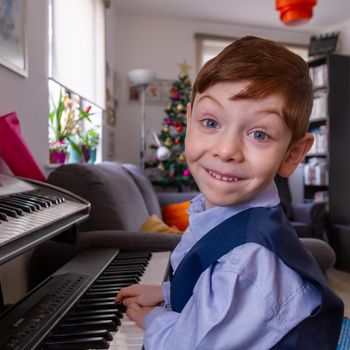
[340,282]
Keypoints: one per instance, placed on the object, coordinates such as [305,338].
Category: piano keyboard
[27,207]
[93,320]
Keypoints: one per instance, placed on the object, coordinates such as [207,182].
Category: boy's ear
[295,154]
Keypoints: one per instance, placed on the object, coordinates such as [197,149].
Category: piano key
[82,334]
[112,317]
[3,216]
[81,343]
[8,211]
[88,325]
[41,201]
[128,336]
[26,201]
[12,207]
[98,306]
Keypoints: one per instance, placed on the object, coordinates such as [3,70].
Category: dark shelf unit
[336,90]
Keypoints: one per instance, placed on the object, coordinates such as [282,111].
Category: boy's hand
[137,313]
[141,294]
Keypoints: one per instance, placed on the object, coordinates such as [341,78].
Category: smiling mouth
[221,177]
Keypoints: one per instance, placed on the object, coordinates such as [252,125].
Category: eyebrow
[213,99]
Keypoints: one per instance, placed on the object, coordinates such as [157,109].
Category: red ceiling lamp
[295,12]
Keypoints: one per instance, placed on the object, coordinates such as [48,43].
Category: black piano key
[77,344]
[18,204]
[102,294]
[55,198]
[11,207]
[87,325]
[116,280]
[9,212]
[26,201]
[32,199]
[75,313]
[87,299]
[106,287]
[121,272]
[99,306]
[82,334]
[107,317]
[40,199]
[3,216]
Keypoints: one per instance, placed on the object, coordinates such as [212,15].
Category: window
[76,78]
[208,46]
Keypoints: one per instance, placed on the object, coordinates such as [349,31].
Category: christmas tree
[169,161]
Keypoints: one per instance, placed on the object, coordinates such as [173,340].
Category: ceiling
[261,13]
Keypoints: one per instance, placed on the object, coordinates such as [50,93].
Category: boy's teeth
[223,178]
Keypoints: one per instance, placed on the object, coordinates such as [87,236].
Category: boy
[242,279]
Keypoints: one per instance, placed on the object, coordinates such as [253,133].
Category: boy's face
[234,148]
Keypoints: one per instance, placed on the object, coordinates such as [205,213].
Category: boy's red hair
[271,68]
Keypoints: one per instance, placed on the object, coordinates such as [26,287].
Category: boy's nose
[228,148]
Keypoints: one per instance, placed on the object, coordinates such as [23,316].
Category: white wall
[344,29]
[132,42]
[28,96]
[144,42]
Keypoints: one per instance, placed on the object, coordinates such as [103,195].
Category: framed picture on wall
[156,92]
[13,35]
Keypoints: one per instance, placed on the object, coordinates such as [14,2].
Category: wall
[344,29]
[28,96]
[144,42]
[132,42]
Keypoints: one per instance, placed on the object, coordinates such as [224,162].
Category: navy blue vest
[270,228]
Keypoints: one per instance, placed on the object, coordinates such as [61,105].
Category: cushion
[176,215]
[145,187]
[116,201]
[154,224]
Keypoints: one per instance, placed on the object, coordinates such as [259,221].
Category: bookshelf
[327,165]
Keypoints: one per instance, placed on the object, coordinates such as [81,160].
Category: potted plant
[64,123]
[89,141]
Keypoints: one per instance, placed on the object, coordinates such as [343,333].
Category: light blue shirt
[249,301]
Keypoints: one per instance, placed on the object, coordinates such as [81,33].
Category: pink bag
[15,152]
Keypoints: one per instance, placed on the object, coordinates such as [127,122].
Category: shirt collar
[202,221]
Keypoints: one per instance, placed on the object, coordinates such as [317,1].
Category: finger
[125,292]
[128,301]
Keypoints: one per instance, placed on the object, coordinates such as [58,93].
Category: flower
[59,146]
[65,120]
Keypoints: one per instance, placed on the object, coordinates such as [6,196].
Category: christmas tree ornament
[161,167]
[163,153]
[166,129]
[186,172]
[182,157]
[168,142]
[180,107]
[179,128]
[168,122]
[184,68]
[177,141]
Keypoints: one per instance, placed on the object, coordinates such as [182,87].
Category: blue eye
[259,135]
[210,123]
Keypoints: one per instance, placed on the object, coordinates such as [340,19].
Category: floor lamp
[142,78]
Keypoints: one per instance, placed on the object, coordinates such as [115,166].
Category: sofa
[122,199]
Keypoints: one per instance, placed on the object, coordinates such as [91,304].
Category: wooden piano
[74,308]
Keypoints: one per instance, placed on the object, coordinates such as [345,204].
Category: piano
[74,308]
